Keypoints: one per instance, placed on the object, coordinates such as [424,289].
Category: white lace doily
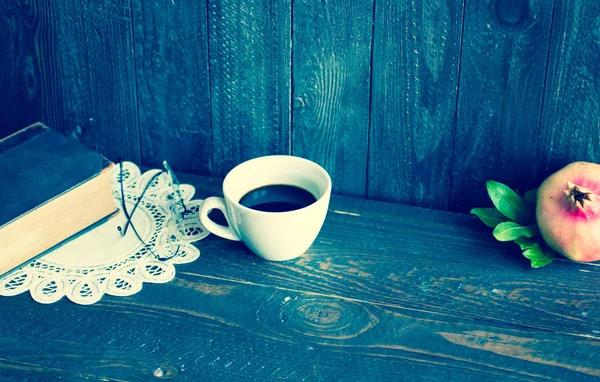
[103,261]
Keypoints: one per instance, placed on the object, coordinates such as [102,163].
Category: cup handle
[210,204]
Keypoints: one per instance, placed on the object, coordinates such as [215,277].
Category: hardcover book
[51,188]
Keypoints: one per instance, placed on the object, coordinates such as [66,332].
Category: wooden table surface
[386,292]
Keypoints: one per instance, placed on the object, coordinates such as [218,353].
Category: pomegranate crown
[577,196]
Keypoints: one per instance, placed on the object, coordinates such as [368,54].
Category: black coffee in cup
[277,198]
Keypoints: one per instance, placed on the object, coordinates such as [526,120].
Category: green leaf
[509,203]
[528,242]
[489,216]
[509,231]
[531,196]
[539,256]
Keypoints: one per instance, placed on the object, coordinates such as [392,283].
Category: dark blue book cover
[45,173]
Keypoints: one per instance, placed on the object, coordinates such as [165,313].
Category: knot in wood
[165,370]
[512,12]
[327,317]
[159,373]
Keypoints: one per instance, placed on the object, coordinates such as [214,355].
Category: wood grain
[207,85]
[570,128]
[22,26]
[250,63]
[200,328]
[331,72]
[88,77]
[502,74]
[173,86]
[415,76]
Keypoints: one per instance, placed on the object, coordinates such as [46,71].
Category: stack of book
[51,188]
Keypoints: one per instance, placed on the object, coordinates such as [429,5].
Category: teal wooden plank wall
[417,102]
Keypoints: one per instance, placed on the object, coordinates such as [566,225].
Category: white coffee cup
[276,236]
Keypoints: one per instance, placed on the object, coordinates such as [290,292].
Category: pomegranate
[568,211]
